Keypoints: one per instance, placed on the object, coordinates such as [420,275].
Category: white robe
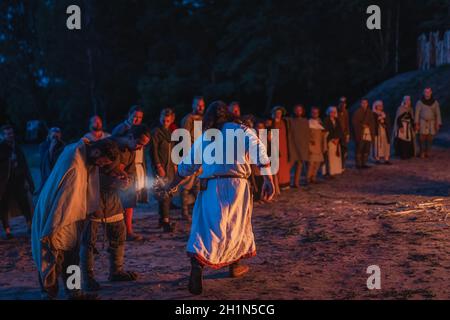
[221,231]
[334,161]
[69,194]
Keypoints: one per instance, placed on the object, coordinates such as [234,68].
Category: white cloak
[69,194]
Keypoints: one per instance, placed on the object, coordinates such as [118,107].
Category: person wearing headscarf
[334,138]
[404,133]
[381,147]
[428,121]
[282,125]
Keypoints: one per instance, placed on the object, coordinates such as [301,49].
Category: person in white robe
[69,194]
[221,233]
[381,148]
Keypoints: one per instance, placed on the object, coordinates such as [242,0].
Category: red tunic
[284,173]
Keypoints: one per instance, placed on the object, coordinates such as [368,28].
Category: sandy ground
[312,244]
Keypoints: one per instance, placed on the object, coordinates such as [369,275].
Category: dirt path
[314,244]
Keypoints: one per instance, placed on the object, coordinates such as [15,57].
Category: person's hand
[438,127]
[417,127]
[268,189]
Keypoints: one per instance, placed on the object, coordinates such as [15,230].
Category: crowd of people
[100,180]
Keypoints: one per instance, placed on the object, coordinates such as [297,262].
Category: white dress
[221,231]
[334,161]
[382,146]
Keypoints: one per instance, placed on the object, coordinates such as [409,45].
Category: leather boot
[196,278]
[168,227]
[87,268]
[365,159]
[116,262]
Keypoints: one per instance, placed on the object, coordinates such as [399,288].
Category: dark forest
[161,53]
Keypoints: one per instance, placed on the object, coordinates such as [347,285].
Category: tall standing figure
[299,137]
[428,121]
[138,191]
[16,182]
[221,232]
[364,130]
[192,186]
[280,123]
[382,142]
[49,151]
[163,166]
[317,145]
[344,122]
[334,138]
[404,130]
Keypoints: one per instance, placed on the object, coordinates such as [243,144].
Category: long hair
[216,115]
